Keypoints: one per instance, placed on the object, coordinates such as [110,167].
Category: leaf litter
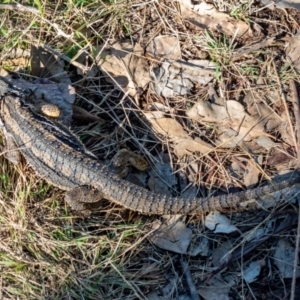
[204,95]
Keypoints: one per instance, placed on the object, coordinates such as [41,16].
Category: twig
[20,7]
[254,47]
[189,279]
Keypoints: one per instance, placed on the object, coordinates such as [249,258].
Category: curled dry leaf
[170,129]
[205,15]
[219,223]
[271,120]
[234,124]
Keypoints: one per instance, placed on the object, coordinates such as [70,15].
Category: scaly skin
[58,156]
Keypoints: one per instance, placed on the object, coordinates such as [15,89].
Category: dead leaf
[292,52]
[279,158]
[172,235]
[125,66]
[252,271]
[170,129]
[166,47]
[162,177]
[199,247]
[217,289]
[221,253]
[233,124]
[205,15]
[179,77]
[186,146]
[284,259]
[265,142]
[282,4]
[251,175]
[46,64]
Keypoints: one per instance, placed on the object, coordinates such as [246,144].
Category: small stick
[20,7]
[189,279]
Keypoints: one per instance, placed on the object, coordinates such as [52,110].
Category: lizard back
[59,157]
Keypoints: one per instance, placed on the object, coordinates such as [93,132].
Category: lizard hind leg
[80,197]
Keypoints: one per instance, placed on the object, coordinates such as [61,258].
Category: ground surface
[227,128]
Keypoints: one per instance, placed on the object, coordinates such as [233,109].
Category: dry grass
[48,253]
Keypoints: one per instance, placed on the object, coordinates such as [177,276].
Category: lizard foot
[124,159]
[79,199]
